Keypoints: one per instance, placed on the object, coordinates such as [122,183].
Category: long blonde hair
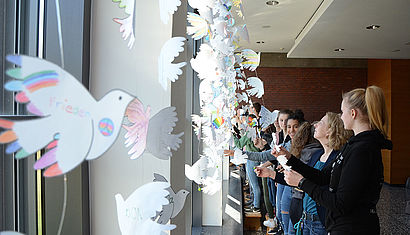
[371,103]
[338,135]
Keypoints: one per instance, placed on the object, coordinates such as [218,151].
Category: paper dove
[166,69]
[199,26]
[127,27]
[167,7]
[283,160]
[212,184]
[205,63]
[196,172]
[151,134]
[204,8]
[135,213]
[244,34]
[176,202]
[257,87]
[73,125]
[252,59]
[239,158]
[267,117]
[242,97]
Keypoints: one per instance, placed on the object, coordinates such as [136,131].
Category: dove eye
[120,98]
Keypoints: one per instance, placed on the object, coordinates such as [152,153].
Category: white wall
[113,65]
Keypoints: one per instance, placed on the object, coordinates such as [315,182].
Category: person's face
[347,116]
[321,128]
[282,120]
[292,127]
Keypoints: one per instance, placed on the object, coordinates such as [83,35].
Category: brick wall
[314,90]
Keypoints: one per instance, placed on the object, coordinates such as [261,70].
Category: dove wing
[160,140]
[40,83]
[199,26]
[137,132]
[166,69]
[252,59]
[167,7]
[257,87]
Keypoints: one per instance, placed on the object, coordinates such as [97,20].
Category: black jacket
[355,179]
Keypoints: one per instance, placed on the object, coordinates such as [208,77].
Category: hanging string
[60,39]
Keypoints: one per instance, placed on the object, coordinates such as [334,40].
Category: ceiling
[315,28]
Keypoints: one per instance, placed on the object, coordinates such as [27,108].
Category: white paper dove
[242,97]
[212,183]
[127,27]
[283,160]
[199,26]
[205,63]
[196,172]
[166,69]
[135,213]
[72,127]
[176,202]
[151,134]
[198,121]
[167,7]
[222,45]
[257,87]
[239,158]
[267,117]
[10,233]
[252,59]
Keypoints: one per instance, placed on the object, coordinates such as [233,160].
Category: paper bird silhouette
[151,134]
[135,214]
[176,202]
[73,126]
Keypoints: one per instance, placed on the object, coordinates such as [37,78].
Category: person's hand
[264,172]
[280,168]
[229,152]
[266,164]
[282,151]
[259,142]
[292,178]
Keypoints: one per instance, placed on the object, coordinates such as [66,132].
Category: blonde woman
[355,177]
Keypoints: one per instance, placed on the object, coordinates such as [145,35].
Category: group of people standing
[336,169]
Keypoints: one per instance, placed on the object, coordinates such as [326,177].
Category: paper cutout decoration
[203,7]
[135,213]
[73,125]
[267,117]
[10,233]
[205,63]
[199,26]
[127,25]
[167,7]
[176,202]
[151,134]
[242,97]
[251,133]
[198,121]
[244,34]
[242,84]
[257,87]
[239,158]
[217,123]
[283,160]
[196,171]
[166,69]
[212,184]
[252,59]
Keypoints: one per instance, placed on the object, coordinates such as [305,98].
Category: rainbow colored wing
[252,59]
[199,26]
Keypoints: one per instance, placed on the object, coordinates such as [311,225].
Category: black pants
[369,227]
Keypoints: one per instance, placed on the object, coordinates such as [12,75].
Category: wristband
[300,184]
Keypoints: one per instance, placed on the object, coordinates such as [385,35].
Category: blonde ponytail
[377,109]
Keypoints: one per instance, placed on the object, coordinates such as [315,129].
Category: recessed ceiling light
[339,49]
[282,48]
[395,50]
[272,3]
[266,26]
[260,42]
[373,27]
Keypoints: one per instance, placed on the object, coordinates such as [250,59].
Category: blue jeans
[285,208]
[313,228]
[253,180]
[272,191]
[279,193]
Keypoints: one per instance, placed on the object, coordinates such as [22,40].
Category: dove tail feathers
[46,160]
[53,170]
